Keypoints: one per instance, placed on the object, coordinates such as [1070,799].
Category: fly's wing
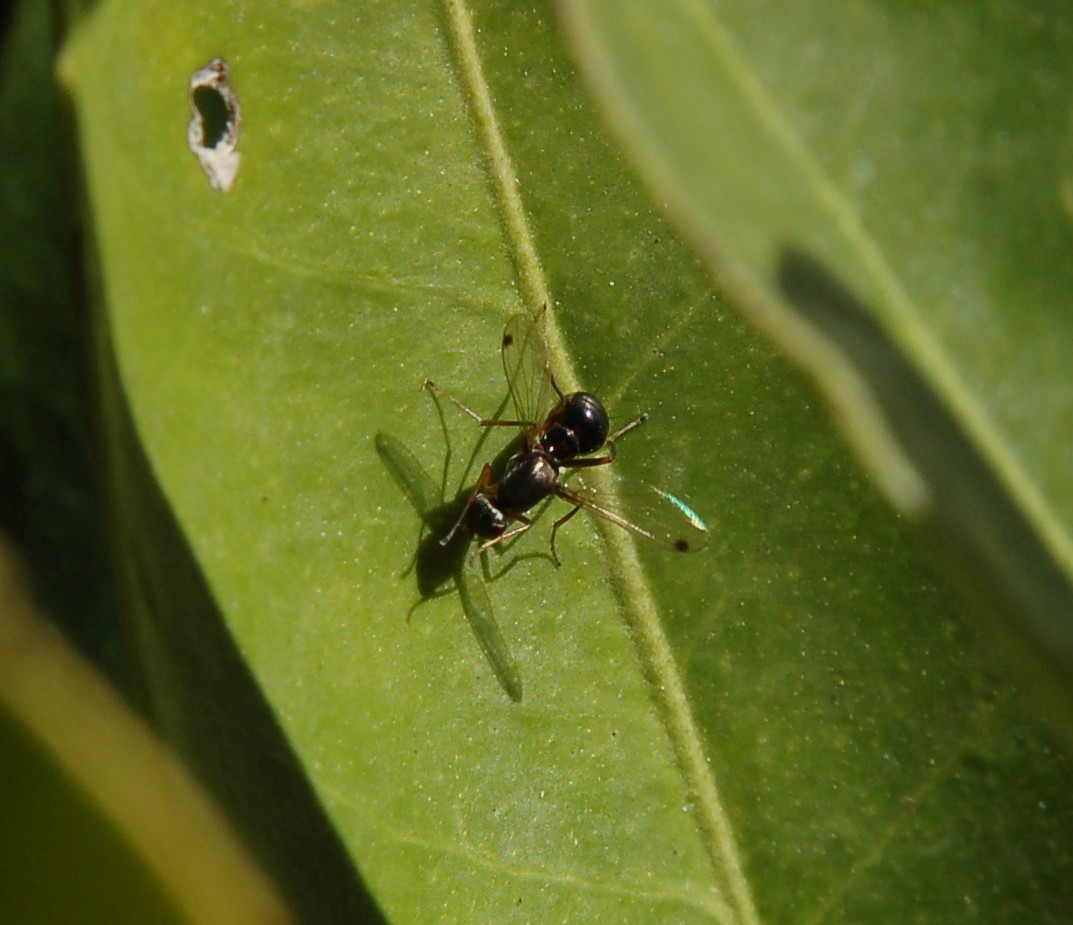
[646,511]
[525,362]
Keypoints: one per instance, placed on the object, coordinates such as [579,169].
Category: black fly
[561,431]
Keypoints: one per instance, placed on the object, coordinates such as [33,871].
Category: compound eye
[587,418]
[560,442]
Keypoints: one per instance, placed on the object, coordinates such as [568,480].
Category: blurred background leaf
[101,822]
[887,192]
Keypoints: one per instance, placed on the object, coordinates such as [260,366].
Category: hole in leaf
[214,123]
[210,104]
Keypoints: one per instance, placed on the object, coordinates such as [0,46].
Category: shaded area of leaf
[199,689]
[48,497]
[1001,560]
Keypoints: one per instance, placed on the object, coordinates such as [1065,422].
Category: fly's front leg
[431,386]
[609,457]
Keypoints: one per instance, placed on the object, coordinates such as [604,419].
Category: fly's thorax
[528,479]
[578,425]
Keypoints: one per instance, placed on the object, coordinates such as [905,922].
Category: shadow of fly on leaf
[436,564]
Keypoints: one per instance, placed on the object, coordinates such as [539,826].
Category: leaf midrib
[641,612]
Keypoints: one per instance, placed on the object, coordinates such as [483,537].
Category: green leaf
[888,195]
[793,724]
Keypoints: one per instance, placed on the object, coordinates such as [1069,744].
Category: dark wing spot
[681,545]
[508,339]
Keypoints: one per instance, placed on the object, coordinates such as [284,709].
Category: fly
[561,431]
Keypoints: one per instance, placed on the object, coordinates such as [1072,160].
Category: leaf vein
[461,848]
[639,606]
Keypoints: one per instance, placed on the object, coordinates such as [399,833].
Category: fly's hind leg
[525,524]
[430,386]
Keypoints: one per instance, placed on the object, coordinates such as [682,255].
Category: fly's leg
[544,338]
[431,386]
[555,529]
[526,523]
[609,457]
